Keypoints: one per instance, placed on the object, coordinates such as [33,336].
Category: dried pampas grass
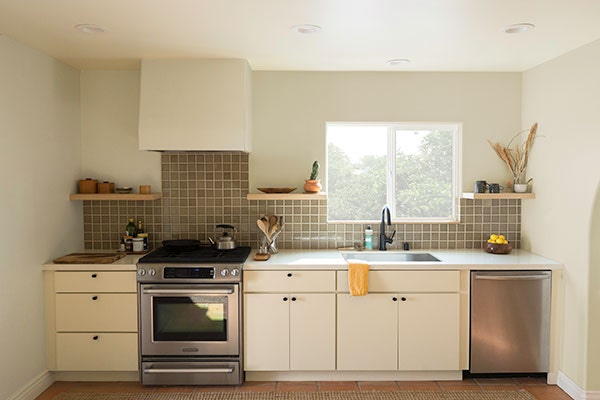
[516,158]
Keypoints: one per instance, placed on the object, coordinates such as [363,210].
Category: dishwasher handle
[513,277]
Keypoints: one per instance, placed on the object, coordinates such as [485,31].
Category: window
[413,168]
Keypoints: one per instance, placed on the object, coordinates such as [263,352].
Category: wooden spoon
[272,224]
[262,226]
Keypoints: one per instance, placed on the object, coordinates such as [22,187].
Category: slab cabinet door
[367,332]
[312,332]
[266,332]
[428,332]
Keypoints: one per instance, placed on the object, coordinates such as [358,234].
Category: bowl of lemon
[497,244]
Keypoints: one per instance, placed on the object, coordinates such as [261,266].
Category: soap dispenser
[368,238]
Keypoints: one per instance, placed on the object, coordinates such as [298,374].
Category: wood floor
[536,386]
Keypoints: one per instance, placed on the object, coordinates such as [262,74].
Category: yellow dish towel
[358,279]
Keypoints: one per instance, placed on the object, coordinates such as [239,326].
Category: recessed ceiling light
[91,29]
[519,28]
[306,28]
[398,61]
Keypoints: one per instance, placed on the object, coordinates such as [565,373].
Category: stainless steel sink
[390,257]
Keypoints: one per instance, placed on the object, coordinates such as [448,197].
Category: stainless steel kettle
[225,237]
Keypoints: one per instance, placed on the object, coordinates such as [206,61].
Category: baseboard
[34,387]
[573,390]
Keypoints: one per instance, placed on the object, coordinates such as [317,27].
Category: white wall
[40,162]
[290,110]
[562,95]
[109,119]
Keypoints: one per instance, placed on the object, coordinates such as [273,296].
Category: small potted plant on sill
[516,158]
[313,185]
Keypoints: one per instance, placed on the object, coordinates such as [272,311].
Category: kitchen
[66,124]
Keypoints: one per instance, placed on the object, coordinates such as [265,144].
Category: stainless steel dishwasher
[510,321]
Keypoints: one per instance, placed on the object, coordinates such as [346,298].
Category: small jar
[144,237]
[138,244]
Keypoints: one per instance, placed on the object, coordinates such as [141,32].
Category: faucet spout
[383,238]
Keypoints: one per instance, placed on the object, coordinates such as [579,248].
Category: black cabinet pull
[285,299]
[293,299]
[403,299]
[94,297]
[394,299]
[95,338]
[289,275]
[94,275]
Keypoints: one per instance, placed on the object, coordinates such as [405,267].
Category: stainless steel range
[190,316]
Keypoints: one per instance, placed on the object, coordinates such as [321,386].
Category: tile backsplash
[203,189]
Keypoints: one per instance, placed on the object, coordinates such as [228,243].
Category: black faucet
[383,239]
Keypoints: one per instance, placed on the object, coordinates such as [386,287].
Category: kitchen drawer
[95,282]
[289,281]
[406,281]
[96,352]
[113,312]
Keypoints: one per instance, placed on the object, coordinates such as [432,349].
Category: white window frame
[455,127]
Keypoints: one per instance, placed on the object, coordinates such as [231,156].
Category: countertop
[449,259]
[126,263]
[332,259]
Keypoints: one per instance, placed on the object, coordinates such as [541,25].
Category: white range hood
[195,104]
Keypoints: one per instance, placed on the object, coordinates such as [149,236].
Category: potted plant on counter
[313,185]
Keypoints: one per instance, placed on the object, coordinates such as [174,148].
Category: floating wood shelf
[498,195]
[286,196]
[115,196]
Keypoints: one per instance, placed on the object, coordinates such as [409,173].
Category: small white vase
[520,187]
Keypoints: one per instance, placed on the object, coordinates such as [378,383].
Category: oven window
[196,319]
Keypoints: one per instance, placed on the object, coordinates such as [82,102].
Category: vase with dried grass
[516,157]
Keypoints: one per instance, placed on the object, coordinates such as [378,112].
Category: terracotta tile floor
[537,387]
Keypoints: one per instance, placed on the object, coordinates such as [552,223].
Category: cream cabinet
[201,104]
[409,321]
[91,319]
[367,332]
[289,320]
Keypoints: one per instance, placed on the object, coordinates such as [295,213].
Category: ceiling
[356,35]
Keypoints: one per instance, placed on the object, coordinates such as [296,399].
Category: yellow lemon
[499,241]
[505,242]
[491,241]
[501,237]
[493,237]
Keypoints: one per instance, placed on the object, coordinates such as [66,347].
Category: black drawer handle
[95,337]
[285,299]
[289,275]
[94,297]
[394,299]
[94,275]
[403,299]
[293,299]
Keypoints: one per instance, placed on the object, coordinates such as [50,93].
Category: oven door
[189,320]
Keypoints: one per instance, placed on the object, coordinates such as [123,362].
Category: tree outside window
[413,168]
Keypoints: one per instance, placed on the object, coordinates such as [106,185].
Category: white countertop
[333,259]
[449,259]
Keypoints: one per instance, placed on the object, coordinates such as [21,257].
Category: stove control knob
[151,272]
[235,272]
[141,272]
[224,272]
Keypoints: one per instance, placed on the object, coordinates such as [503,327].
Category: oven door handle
[187,291]
[227,370]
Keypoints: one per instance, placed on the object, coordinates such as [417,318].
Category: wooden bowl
[276,190]
[495,248]
[123,190]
